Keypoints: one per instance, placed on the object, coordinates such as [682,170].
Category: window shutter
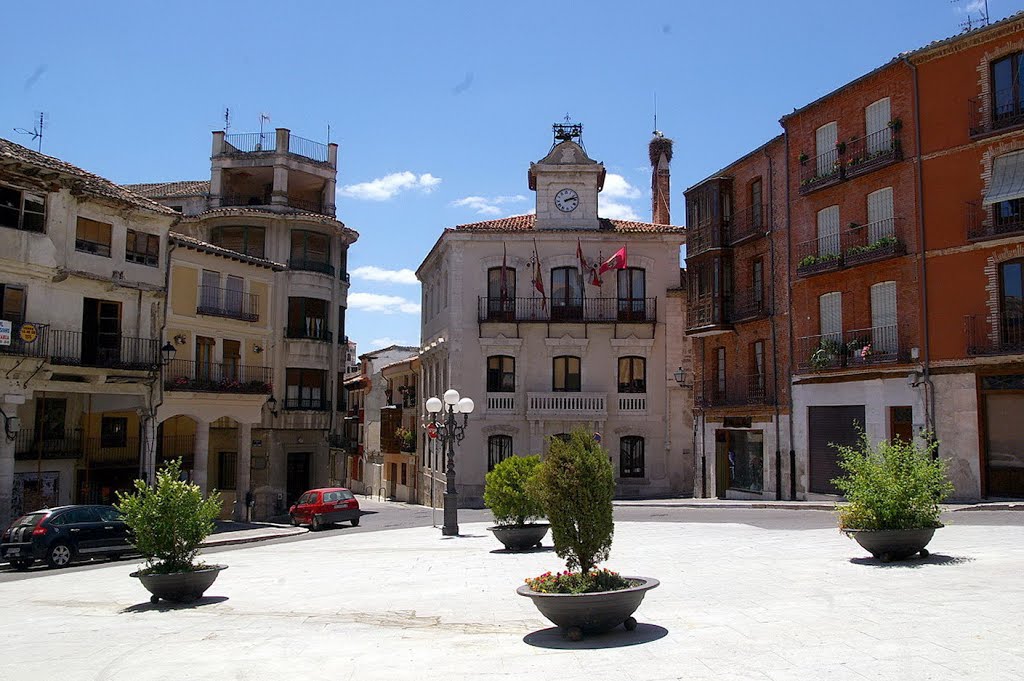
[830,308]
[876,123]
[825,138]
[883,317]
[828,231]
[880,217]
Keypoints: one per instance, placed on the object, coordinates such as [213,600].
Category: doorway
[393,481]
[101,332]
[739,461]
[298,475]
[1004,440]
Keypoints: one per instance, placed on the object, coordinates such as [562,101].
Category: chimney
[660,152]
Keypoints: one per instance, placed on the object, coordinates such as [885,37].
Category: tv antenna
[227,119]
[264,118]
[36,132]
[971,22]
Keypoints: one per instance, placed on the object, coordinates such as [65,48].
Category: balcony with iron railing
[27,339]
[745,225]
[312,329]
[708,314]
[112,452]
[856,245]
[217,377]
[107,351]
[266,142]
[558,405]
[850,159]
[850,349]
[233,304]
[31,444]
[1007,111]
[1000,335]
[743,390]
[311,265]
[263,200]
[746,305]
[582,310]
[307,404]
[996,221]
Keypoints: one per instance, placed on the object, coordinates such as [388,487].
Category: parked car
[319,507]
[59,535]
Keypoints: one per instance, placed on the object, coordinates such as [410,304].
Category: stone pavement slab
[735,602]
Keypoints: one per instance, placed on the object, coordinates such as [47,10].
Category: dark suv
[59,535]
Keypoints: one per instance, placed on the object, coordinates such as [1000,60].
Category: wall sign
[5,332]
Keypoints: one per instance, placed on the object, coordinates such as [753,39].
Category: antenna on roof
[328,133]
[971,22]
[227,119]
[264,117]
[36,132]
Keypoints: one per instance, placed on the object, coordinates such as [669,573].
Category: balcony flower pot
[890,545]
[520,537]
[179,587]
[591,613]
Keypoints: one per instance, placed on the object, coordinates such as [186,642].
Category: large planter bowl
[592,613]
[889,545]
[520,537]
[180,587]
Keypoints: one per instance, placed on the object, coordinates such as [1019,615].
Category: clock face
[566,200]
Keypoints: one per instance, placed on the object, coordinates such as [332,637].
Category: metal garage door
[828,426]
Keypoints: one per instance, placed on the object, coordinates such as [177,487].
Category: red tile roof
[519,223]
[170,190]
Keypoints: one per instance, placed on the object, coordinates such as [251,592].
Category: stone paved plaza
[735,602]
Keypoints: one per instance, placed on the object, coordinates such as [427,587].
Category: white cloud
[616,211]
[389,186]
[617,187]
[484,205]
[372,273]
[377,302]
[378,343]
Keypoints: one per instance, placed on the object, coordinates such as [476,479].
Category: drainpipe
[771,318]
[163,329]
[930,424]
[789,287]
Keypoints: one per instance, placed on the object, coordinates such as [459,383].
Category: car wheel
[59,555]
[316,525]
[21,565]
[295,521]
[355,522]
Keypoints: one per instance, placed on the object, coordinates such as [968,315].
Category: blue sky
[439,107]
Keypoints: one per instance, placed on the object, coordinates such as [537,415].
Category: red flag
[616,262]
[538,280]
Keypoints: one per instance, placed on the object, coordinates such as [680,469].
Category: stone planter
[592,613]
[180,587]
[520,537]
[890,545]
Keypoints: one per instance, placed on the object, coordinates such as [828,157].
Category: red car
[319,507]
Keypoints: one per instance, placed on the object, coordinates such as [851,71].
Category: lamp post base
[451,515]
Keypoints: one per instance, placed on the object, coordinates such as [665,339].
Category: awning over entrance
[1007,178]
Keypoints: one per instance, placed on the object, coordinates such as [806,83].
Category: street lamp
[450,432]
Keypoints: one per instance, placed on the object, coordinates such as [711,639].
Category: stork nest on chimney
[659,146]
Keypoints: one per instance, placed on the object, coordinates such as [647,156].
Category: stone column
[202,455]
[6,476]
[243,464]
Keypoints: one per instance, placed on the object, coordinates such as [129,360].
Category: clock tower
[567,182]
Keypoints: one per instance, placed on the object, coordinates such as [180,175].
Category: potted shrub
[893,490]
[168,523]
[514,503]
[575,485]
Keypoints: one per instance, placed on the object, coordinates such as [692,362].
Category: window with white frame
[825,139]
[880,217]
[876,124]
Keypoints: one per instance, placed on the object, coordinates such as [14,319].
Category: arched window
[565,375]
[632,375]
[499,448]
[631,457]
[501,374]
[566,294]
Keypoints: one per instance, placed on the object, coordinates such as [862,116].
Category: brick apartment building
[900,239]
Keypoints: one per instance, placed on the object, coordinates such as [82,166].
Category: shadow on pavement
[555,639]
[163,606]
[534,549]
[932,559]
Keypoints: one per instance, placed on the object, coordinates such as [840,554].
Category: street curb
[810,506]
[993,507]
[252,539]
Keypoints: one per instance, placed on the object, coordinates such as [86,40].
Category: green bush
[575,486]
[579,582]
[894,485]
[507,494]
[168,522]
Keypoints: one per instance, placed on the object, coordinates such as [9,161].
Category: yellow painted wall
[261,289]
[184,290]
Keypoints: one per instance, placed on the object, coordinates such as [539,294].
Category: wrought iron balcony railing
[735,391]
[852,246]
[314,151]
[74,348]
[850,349]
[748,304]
[28,339]
[853,158]
[994,222]
[1007,112]
[112,452]
[749,223]
[1000,335]
[583,310]
[308,265]
[245,199]
[32,444]
[217,377]
[250,142]
[317,332]
[223,302]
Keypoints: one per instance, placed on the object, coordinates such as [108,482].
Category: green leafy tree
[575,485]
[507,493]
[169,521]
[894,485]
